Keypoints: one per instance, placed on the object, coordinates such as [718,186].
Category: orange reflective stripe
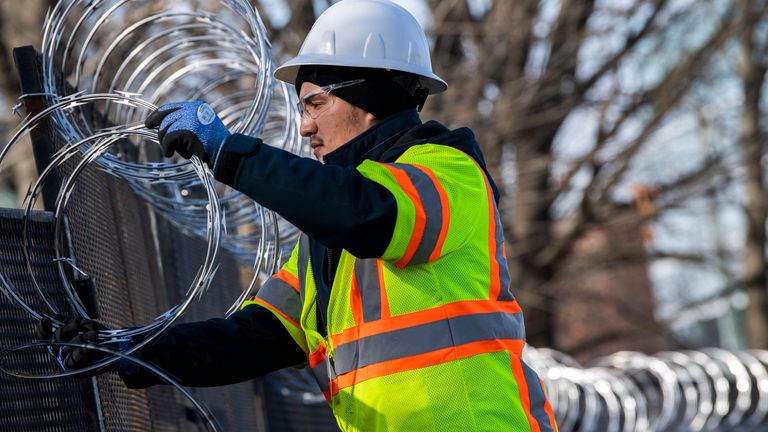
[495,286]
[434,201]
[548,410]
[424,360]
[276,310]
[288,278]
[499,277]
[320,368]
[499,257]
[538,405]
[429,337]
[317,356]
[448,310]
[279,294]
[446,211]
[522,387]
[420,221]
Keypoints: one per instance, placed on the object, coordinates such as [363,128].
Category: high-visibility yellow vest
[428,337]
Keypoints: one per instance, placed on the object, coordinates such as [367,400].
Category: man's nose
[308,126]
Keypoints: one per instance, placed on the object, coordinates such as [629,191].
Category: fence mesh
[35,405]
[141,265]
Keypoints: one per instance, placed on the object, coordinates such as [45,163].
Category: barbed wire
[103,128]
[145,49]
[709,389]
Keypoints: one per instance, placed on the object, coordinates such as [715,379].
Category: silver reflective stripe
[281,295]
[303,265]
[504,279]
[322,376]
[428,337]
[367,274]
[537,398]
[433,210]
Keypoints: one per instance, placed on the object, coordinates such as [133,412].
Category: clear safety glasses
[315,103]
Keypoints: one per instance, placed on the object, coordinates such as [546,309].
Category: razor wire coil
[142,49]
[709,389]
[84,39]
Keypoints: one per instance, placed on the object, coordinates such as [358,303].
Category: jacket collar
[389,138]
[375,141]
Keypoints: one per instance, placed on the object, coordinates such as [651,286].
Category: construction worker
[397,295]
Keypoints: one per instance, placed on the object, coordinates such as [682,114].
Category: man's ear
[370,119]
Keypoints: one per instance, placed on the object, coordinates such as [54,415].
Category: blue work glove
[189,129]
[76,330]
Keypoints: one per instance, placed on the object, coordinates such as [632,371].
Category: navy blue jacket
[334,205]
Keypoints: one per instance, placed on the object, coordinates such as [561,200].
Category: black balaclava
[382,94]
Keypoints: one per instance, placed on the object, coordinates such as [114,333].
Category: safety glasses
[318,101]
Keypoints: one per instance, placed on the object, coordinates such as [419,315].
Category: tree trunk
[756,315]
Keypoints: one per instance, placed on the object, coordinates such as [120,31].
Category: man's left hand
[189,129]
[78,331]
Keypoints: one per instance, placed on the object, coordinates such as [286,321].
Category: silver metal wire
[693,390]
[92,152]
[131,55]
[166,53]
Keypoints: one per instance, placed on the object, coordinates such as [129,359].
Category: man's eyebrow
[310,95]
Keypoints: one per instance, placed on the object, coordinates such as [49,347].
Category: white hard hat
[366,33]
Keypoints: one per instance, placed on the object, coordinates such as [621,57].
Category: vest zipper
[330,272]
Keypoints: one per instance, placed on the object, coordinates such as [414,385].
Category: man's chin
[318,154]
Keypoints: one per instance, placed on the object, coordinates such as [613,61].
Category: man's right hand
[78,331]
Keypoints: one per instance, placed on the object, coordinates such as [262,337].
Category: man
[397,293]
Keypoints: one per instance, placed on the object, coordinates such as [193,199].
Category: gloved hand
[76,330]
[189,128]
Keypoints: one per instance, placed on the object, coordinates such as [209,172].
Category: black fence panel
[141,265]
[56,405]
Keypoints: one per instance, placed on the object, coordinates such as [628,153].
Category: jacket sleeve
[263,336]
[335,205]
[434,186]
[219,351]
[281,296]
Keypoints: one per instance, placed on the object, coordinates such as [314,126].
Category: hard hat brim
[288,71]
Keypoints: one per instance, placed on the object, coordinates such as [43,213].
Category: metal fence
[141,265]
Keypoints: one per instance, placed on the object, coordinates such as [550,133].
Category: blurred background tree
[21,23]
[627,138]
